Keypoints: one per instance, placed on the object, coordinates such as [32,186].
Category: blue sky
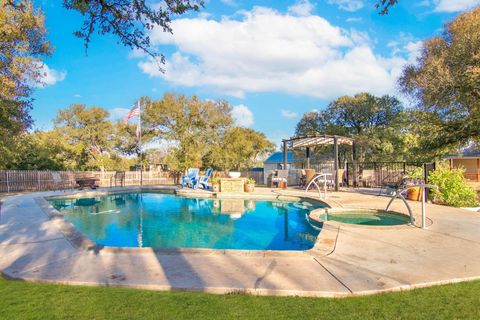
[272,60]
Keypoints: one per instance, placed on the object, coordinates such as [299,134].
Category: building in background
[468,160]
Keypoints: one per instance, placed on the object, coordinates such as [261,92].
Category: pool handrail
[316,179]
[398,194]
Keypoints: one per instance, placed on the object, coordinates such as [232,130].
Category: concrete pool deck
[349,260]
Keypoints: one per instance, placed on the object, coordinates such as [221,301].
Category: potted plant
[234,174]
[249,185]
[216,184]
[414,177]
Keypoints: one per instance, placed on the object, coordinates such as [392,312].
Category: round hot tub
[366,217]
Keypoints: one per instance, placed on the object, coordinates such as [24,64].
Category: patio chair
[191,178]
[392,181]
[341,178]
[280,176]
[118,179]
[329,178]
[203,181]
[367,178]
[302,181]
[57,181]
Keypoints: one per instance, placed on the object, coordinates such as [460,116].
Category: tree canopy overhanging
[445,83]
[129,20]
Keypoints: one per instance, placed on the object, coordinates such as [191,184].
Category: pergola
[317,140]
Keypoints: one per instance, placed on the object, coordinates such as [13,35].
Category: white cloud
[263,50]
[118,113]
[354,19]
[76,95]
[49,76]
[347,5]
[414,50]
[301,8]
[288,114]
[455,5]
[242,115]
[137,53]
[406,46]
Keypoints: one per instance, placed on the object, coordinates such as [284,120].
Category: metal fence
[256,175]
[33,180]
[366,174]
[375,174]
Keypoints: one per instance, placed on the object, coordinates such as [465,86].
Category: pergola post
[307,151]
[354,162]
[335,161]
[285,155]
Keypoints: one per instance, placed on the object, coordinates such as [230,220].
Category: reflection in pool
[167,221]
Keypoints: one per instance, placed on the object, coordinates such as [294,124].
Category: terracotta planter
[216,188]
[414,194]
[249,187]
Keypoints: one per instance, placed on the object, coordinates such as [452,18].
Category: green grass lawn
[20,300]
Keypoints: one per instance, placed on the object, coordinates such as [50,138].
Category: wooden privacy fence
[132,178]
[33,180]
[30,180]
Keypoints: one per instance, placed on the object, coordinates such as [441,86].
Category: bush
[415,176]
[454,191]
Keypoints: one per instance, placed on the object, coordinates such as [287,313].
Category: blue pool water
[161,220]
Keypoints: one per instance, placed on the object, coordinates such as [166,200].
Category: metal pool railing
[318,178]
[398,194]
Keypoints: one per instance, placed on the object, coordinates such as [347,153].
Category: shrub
[454,191]
[415,176]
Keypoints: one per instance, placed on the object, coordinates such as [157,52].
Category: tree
[22,46]
[88,133]
[445,83]
[239,149]
[42,151]
[202,134]
[384,5]
[372,121]
[191,124]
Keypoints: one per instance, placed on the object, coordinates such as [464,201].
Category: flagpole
[140,142]
[140,234]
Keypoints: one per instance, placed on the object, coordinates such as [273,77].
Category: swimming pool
[161,220]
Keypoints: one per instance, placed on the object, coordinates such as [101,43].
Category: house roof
[277,157]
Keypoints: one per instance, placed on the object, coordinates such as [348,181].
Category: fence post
[8,184]
[38,180]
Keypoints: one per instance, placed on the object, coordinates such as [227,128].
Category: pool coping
[324,244]
[457,271]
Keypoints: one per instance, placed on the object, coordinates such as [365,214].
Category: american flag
[134,112]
